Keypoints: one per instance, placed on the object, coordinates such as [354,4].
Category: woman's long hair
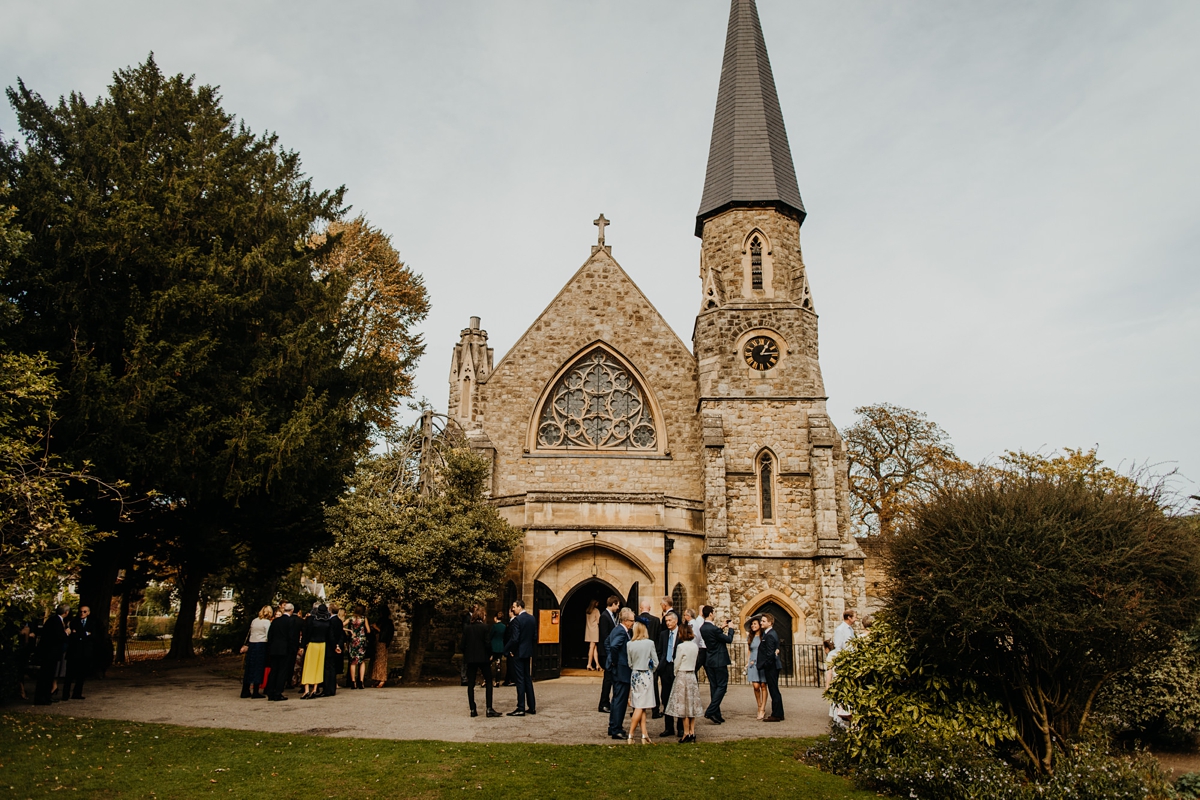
[593,605]
[752,633]
[640,632]
[266,612]
[686,634]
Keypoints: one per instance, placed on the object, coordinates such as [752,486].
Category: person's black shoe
[656,715]
[772,719]
[78,697]
[277,699]
[245,692]
[531,711]
[665,734]
[257,696]
[491,712]
[516,713]
[474,713]
[604,709]
[620,735]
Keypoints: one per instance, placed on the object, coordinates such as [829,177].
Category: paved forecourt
[204,697]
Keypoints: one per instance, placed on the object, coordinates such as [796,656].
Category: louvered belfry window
[756,275]
[597,405]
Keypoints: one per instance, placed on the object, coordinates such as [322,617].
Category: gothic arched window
[596,404]
[766,486]
[756,267]
[679,600]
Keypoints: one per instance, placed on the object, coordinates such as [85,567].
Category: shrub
[1188,786]
[1158,701]
[921,768]
[1039,588]
[893,696]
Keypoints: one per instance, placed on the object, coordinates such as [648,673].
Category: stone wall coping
[612,529]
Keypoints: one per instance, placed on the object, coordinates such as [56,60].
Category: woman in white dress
[591,634]
[685,702]
[642,660]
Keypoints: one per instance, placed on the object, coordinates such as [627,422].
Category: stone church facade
[643,467]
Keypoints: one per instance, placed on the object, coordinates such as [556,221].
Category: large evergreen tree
[204,359]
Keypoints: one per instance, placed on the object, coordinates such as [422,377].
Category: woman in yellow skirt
[316,635]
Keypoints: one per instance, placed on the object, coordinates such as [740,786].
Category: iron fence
[803,665]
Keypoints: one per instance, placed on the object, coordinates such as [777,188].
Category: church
[642,467]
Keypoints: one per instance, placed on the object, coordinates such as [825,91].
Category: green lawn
[44,755]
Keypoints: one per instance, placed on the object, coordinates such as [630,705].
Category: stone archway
[574,624]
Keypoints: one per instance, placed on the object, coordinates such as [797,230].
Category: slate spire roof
[749,161]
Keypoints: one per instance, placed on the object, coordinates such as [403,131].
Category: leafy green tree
[1040,588]
[446,548]
[39,539]
[204,358]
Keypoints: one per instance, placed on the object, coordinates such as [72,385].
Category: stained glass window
[597,405]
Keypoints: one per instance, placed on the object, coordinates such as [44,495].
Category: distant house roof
[749,161]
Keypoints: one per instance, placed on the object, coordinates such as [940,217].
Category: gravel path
[206,696]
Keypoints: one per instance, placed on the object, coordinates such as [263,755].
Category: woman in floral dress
[356,647]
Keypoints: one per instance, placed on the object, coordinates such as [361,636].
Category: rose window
[597,405]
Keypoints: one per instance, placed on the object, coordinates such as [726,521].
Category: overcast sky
[1003,198]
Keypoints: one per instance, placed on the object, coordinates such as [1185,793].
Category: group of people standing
[63,655]
[651,664]
[483,645]
[282,650]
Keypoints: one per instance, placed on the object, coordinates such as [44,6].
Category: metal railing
[803,665]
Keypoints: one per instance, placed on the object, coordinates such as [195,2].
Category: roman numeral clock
[761,353]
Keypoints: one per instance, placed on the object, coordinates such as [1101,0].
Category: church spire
[749,161]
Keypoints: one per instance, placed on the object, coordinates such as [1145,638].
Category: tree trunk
[200,621]
[123,620]
[189,595]
[419,620]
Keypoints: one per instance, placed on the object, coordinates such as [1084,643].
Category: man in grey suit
[522,637]
[716,663]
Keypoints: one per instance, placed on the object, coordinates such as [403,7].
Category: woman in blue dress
[753,640]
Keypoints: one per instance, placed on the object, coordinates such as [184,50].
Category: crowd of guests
[61,649]
[285,649]
[651,665]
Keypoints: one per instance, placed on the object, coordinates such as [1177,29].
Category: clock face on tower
[761,353]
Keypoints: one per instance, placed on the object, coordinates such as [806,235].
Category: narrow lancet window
[764,488]
[756,273]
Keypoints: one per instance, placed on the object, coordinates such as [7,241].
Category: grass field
[61,756]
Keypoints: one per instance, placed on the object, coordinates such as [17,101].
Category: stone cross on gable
[600,223]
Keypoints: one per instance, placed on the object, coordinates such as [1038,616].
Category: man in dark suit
[769,665]
[79,655]
[618,665]
[716,663]
[521,641]
[667,641]
[608,621]
[283,642]
[52,641]
[334,652]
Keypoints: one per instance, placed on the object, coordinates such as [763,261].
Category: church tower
[776,487]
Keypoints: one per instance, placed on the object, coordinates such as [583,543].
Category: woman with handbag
[255,650]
